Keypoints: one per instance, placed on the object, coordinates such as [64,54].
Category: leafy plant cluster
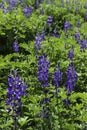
[45,43]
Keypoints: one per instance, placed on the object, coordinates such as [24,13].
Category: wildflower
[44,113]
[1,5]
[71,54]
[78,24]
[43,68]
[70,78]
[21,2]
[47,100]
[37,4]
[66,25]
[55,34]
[16,89]
[77,36]
[38,40]
[16,47]
[57,78]
[83,44]
[42,33]
[50,20]
[66,101]
[27,11]
[12,3]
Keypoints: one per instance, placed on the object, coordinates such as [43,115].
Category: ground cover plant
[43,65]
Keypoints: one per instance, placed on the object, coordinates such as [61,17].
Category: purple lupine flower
[16,47]
[47,100]
[37,45]
[57,78]
[55,34]
[44,113]
[77,8]
[37,4]
[42,11]
[66,25]
[5,10]
[66,101]
[78,24]
[22,2]
[39,37]
[17,89]
[43,68]
[27,11]
[77,37]
[71,54]
[83,45]
[42,33]
[9,9]
[38,40]
[1,5]
[12,3]
[50,20]
[71,78]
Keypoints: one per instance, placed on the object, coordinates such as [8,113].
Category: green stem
[59,115]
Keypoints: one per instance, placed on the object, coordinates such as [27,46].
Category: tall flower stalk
[71,53]
[43,77]
[16,90]
[70,78]
[43,71]
[27,11]
[57,78]
[16,47]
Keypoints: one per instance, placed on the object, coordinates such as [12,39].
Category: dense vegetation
[43,65]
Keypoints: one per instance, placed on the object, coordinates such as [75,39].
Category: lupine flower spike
[27,11]
[71,77]
[43,71]
[17,89]
[50,20]
[71,54]
[57,77]
[16,47]
[66,25]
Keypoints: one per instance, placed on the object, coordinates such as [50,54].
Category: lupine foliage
[45,43]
